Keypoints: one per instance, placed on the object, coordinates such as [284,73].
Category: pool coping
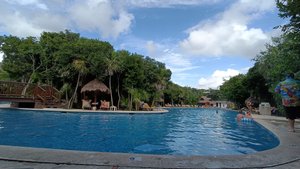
[155,111]
[285,154]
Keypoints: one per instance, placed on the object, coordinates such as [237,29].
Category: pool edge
[285,154]
[155,111]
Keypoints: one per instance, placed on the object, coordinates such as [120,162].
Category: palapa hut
[95,86]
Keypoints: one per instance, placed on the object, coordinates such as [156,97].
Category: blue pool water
[179,132]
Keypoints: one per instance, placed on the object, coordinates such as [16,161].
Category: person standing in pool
[290,94]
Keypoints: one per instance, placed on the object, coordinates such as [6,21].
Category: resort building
[205,101]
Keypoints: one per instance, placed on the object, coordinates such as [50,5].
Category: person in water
[247,115]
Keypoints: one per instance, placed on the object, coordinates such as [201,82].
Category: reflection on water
[179,132]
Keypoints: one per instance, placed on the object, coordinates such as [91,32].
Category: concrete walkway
[285,156]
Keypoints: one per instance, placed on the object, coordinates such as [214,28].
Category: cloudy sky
[201,41]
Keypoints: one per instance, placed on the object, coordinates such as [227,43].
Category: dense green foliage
[235,90]
[68,61]
[282,56]
[290,9]
[3,74]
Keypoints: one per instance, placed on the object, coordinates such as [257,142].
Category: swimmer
[248,115]
[239,117]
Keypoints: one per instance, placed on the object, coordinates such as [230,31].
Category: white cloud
[27,20]
[163,52]
[229,34]
[35,3]
[151,48]
[166,3]
[175,61]
[31,17]
[217,78]
[101,16]
[18,25]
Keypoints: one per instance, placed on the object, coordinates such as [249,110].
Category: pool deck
[284,156]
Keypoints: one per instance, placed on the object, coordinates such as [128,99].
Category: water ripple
[179,132]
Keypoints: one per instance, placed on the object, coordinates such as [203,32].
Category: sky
[202,42]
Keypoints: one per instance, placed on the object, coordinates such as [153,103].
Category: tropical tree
[121,55]
[62,58]
[172,93]
[136,97]
[66,88]
[3,74]
[290,9]
[58,54]
[279,58]
[235,89]
[112,65]
[156,79]
[164,75]
[96,53]
[80,67]
[282,55]
[257,85]
[214,94]
[22,58]
[134,76]
[11,59]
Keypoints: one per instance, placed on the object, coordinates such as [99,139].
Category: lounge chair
[104,105]
[146,107]
[86,104]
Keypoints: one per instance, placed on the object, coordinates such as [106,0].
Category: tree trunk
[118,90]
[71,101]
[111,96]
[129,101]
[67,97]
[136,106]
[26,87]
[30,78]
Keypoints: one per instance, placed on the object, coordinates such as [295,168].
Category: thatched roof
[95,85]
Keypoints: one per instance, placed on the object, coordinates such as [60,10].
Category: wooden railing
[44,93]
[15,89]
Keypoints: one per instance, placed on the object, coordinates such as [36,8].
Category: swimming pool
[179,132]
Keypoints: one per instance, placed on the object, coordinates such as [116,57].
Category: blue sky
[202,42]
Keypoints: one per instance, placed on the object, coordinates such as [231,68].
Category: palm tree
[135,97]
[120,55]
[80,67]
[112,66]
[66,88]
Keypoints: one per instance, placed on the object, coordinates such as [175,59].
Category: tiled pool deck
[285,156]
